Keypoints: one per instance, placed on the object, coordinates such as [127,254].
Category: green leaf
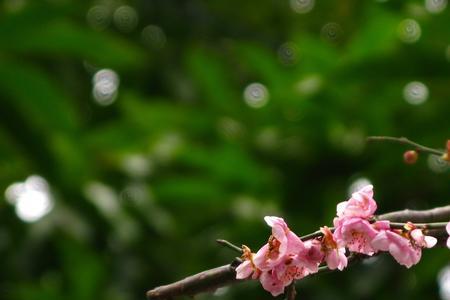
[211,74]
[40,101]
[377,37]
[68,39]
[193,189]
[84,269]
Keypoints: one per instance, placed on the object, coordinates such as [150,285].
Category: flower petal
[244,270]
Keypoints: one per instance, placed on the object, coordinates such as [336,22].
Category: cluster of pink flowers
[285,257]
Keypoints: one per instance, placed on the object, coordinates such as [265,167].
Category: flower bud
[446,155]
[410,157]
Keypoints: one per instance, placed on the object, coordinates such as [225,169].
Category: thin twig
[229,245]
[438,225]
[405,141]
[313,235]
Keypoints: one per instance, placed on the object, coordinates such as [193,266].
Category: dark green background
[216,165]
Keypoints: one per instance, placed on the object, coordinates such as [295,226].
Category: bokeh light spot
[137,165]
[33,205]
[415,93]
[409,31]
[230,128]
[444,283]
[32,198]
[105,86]
[256,95]
[309,85]
[302,6]
[357,184]
[435,6]
[125,18]
[98,17]
[331,32]
[288,54]
[153,37]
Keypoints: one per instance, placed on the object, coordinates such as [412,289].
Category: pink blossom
[421,240]
[448,232]
[292,267]
[310,257]
[356,233]
[244,270]
[270,282]
[398,246]
[361,204]
[282,243]
[247,267]
[334,253]
[278,263]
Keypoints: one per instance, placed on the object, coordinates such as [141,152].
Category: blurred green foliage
[142,187]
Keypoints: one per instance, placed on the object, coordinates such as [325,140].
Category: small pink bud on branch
[410,157]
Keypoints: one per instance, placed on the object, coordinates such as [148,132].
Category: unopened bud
[446,156]
[410,157]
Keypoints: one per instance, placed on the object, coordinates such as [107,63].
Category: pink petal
[417,235]
[336,259]
[381,242]
[295,244]
[244,270]
[430,241]
[272,221]
[367,190]
[271,283]
[260,258]
[358,233]
[382,225]
[402,250]
[361,204]
[340,208]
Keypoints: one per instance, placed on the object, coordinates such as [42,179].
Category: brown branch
[438,214]
[405,141]
[313,235]
[212,279]
[206,281]
[291,293]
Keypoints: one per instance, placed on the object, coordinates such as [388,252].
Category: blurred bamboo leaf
[248,177]
[376,38]
[41,102]
[66,38]
[85,271]
[157,115]
[192,189]
[211,74]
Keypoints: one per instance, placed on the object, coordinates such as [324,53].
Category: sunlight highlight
[256,95]
[32,198]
